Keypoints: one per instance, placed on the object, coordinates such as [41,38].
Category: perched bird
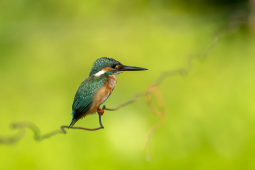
[95,89]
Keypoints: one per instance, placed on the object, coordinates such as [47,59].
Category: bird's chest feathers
[112,81]
[104,92]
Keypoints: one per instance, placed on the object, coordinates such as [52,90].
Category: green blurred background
[47,48]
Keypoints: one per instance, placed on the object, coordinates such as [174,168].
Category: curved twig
[37,134]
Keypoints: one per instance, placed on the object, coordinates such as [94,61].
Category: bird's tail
[73,120]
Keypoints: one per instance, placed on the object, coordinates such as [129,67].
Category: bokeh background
[47,48]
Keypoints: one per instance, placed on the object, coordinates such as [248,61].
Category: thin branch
[37,134]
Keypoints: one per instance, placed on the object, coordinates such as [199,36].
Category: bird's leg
[100,113]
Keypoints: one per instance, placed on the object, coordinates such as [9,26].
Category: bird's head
[110,66]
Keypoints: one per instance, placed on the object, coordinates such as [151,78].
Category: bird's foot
[100,111]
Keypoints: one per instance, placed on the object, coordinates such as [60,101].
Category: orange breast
[101,95]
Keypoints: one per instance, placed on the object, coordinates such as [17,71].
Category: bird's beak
[131,68]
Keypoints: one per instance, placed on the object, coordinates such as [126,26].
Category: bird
[96,88]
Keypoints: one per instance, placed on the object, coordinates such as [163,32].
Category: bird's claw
[100,111]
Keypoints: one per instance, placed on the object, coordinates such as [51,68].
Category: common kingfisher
[95,89]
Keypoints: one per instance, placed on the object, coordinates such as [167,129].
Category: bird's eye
[113,66]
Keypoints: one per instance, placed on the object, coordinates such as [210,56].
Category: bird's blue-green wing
[83,98]
[85,94]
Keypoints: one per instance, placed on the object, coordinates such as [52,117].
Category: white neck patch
[99,73]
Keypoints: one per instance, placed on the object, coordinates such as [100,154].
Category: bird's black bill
[130,68]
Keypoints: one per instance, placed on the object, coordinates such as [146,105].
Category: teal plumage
[85,94]
[101,63]
[95,89]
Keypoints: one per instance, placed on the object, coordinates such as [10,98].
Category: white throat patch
[99,73]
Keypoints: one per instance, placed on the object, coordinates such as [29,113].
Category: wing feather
[85,94]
